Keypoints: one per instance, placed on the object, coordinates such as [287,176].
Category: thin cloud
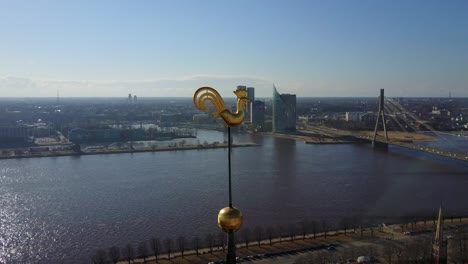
[179,86]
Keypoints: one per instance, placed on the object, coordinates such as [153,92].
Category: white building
[353,116]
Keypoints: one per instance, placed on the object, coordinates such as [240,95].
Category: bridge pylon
[380,144]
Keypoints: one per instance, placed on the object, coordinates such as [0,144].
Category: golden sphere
[230,218]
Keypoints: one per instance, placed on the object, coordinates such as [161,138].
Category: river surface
[60,210]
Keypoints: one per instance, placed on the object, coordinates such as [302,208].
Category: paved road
[283,259]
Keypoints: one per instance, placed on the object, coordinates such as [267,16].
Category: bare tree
[168,246]
[155,246]
[292,231]
[280,231]
[210,241]
[413,223]
[143,250]
[114,254]
[246,236]
[344,224]
[325,225]
[222,240]
[181,241]
[314,227]
[258,234]
[99,257]
[304,225]
[355,223]
[270,232]
[407,220]
[196,244]
[128,253]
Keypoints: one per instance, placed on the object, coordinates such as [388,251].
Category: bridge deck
[432,150]
[368,139]
[428,149]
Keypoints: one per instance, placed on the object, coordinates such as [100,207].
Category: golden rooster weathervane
[208,94]
[229,218]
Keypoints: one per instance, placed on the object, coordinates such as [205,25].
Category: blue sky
[170,48]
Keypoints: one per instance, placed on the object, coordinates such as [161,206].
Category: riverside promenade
[290,249]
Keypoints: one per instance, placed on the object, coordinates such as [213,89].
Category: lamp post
[229,218]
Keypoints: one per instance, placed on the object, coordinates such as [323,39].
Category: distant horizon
[14,87]
[226,97]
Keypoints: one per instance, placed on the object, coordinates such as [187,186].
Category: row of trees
[258,235]
[155,247]
[246,237]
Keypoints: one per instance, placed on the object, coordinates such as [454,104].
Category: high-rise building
[258,113]
[251,96]
[251,93]
[284,112]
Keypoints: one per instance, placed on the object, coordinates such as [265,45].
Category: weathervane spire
[229,218]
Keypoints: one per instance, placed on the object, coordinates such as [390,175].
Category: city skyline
[168,49]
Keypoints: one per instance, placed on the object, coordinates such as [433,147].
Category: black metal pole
[229,165]
[231,254]
[231,246]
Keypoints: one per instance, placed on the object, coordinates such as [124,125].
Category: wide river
[60,210]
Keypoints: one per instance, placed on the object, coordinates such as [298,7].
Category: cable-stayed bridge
[403,120]
[407,121]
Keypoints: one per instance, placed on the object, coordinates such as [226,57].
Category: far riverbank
[323,135]
[121,151]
